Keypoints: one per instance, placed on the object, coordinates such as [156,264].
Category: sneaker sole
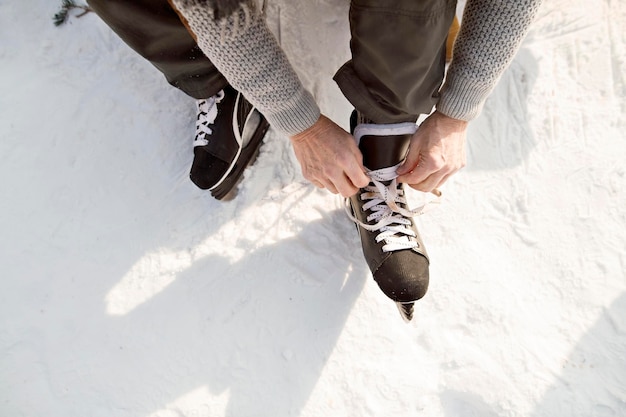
[248,154]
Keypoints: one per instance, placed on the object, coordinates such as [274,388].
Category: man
[396,74]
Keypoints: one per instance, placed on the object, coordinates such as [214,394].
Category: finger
[417,175]
[353,168]
[345,187]
[430,183]
[356,176]
[317,184]
[429,164]
[411,161]
[329,186]
[443,180]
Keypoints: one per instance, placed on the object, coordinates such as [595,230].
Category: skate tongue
[383,151]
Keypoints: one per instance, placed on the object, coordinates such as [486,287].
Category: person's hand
[329,158]
[437,151]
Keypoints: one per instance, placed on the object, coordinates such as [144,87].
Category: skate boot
[229,132]
[391,244]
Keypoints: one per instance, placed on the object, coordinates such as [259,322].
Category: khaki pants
[398,52]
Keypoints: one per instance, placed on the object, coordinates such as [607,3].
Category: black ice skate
[391,244]
[229,132]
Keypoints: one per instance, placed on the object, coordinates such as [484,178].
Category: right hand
[329,158]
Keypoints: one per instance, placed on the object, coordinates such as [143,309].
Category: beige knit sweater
[242,47]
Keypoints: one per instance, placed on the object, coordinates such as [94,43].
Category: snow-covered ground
[127,292]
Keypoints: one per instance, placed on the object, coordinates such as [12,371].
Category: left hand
[437,151]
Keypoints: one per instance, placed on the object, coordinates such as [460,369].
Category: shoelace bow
[207,112]
[392,220]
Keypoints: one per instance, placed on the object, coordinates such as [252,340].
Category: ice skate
[229,132]
[391,243]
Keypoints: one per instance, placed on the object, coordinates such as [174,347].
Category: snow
[128,292]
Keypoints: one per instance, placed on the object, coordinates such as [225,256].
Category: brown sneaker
[392,246]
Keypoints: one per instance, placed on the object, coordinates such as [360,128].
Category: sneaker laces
[386,201]
[207,112]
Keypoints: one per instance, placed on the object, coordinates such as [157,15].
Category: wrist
[451,122]
[315,129]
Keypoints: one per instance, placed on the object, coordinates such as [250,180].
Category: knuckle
[330,171]
[438,164]
[429,161]
[343,159]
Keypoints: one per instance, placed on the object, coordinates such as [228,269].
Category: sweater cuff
[294,116]
[462,98]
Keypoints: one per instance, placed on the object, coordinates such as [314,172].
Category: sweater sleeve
[490,36]
[244,50]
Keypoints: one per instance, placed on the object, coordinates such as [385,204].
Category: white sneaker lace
[207,112]
[392,220]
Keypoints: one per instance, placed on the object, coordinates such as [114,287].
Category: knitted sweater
[245,51]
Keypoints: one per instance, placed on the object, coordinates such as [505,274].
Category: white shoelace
[392,221]
[207,112]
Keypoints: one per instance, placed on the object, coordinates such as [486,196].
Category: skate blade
[406,311]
